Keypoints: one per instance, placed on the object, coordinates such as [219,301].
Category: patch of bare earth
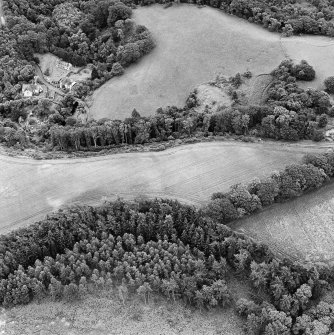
[212,97]
[48,65]
[256,88]
[103,313]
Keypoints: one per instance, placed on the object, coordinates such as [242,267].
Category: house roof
[67,82]
[26,87]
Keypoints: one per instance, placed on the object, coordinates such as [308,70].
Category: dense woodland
[162,247]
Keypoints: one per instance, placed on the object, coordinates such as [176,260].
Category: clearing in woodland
[30,189]
[194,45]
[299,229]
[103,313]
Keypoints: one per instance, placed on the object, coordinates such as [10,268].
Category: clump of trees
[293,181]
[329,85]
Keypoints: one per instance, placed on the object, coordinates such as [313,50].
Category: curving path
[30,189]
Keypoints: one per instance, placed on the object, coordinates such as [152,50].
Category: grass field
[301,229]
[317,50]
[29,189]
[193,46]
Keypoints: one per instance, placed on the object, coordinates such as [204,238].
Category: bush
[117,69]
[322,121]
[47,72]
[303,71]
[318,135]
[222,210]
[329,84]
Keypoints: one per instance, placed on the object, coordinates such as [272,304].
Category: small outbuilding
[67,84]
[29,90]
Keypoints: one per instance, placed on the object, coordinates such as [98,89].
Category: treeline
[293,181]
[286,16]
[291,113]
[163,247]
[14,69]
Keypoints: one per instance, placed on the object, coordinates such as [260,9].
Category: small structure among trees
[29,90]
[66,84]
[63,65]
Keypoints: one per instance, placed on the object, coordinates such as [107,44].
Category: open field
[301,229]
[29,189]
[48,61]
[317,51]
[193,46]
[107,315]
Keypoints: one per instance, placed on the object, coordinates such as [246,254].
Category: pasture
[194,45]
[30,189]
[317,51]
[301,229]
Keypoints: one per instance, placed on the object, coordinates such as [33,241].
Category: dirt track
[29,189]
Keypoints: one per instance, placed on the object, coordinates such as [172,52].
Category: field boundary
[156,147]
[238,224]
